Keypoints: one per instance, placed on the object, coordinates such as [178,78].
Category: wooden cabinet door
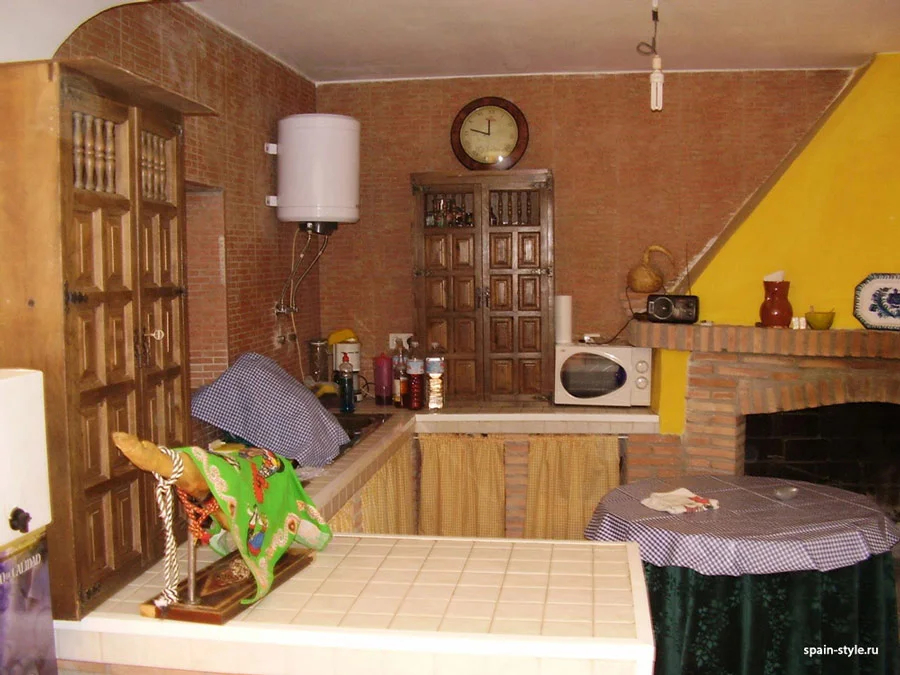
[100,285]
[483,265]
[517,293]
[447,287]
[161,336]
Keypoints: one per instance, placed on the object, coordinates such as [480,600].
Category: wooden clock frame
[521,125]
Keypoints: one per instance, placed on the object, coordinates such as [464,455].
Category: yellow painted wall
[832,219]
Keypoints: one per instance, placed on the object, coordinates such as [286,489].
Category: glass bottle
[434,368]
[345,385]
[383,379]
[400,378]
[415,370]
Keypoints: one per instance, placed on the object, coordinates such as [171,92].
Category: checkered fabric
[752,532]
[257,400]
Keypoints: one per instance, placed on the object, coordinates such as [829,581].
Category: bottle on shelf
[434,368]
[400,378]
[345,385]
[415,370]
[383,379]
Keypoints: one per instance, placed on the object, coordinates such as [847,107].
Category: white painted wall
[33,30]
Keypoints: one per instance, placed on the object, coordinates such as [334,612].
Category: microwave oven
[613,375]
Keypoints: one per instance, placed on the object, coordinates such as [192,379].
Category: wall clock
[489,133]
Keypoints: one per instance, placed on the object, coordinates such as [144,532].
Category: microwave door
[586,376]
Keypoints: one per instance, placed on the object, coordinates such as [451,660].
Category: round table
[762,585]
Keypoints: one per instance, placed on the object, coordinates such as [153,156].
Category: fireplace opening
[854,446]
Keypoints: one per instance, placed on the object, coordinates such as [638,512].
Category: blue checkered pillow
[257,400]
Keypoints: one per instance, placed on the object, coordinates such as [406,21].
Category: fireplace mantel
[873,344]
[735,371]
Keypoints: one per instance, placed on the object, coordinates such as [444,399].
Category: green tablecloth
[762,624]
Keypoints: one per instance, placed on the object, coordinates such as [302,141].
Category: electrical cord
[649,48]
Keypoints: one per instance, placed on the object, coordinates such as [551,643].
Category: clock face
[489,133]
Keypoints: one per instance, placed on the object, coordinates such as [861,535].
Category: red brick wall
[624,177]
[208,326]
[173,46]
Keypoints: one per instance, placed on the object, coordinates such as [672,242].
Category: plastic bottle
[415,370]
[383,379]
[434,368]
[401,381]
[345,385]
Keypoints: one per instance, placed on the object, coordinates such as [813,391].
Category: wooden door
[161,337]
[483,285]
[516,292]
[447,288]
[100,285]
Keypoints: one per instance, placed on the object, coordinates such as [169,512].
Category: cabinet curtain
[462,491]
[387,499]
[567,477]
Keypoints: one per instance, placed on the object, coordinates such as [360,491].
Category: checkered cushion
[259,401]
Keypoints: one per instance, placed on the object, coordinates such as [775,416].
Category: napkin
[680,500]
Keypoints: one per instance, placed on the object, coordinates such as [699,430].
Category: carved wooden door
[448,287]
[483,290]
[160,338]
[124,324]
[517,292]
[101,305]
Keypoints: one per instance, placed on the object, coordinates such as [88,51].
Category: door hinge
[180,291]
[86,594]
[546,271]
[72,297]
[421,273]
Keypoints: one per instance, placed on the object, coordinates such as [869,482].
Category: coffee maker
[351,348]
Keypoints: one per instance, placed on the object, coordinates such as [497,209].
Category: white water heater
[318,169]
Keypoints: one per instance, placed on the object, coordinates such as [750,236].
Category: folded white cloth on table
[681,500]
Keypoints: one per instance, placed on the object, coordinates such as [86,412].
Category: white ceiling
[344,40]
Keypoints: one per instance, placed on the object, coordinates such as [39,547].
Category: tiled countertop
[386,604]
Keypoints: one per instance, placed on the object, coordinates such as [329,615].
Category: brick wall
[734,371]
[175,47]
[624,177]
[206,276]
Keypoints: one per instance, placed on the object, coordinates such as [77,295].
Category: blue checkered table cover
[259,401]
[752,532]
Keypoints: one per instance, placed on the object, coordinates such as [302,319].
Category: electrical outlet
[393,337]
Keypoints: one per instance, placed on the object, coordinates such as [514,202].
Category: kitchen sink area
[358,426]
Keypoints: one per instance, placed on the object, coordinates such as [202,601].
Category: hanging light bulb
[656,84]
[649,49]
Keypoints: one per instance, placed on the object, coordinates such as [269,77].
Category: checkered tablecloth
[752,532]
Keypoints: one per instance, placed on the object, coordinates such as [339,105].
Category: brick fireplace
[735,371]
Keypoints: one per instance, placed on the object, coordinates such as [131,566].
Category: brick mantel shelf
[734,371]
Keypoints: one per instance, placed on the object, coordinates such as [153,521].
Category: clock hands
[483,133]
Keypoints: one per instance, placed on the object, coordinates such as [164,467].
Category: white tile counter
[391,605]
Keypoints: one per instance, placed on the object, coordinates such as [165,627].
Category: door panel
[502,376]
[437,296]
[530,376]
[529,293]
[501,251]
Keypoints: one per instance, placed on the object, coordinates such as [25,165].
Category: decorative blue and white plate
[877,301]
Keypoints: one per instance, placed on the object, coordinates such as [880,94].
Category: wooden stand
[220,587]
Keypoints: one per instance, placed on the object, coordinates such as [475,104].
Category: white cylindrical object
[562,319]
[318,169]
